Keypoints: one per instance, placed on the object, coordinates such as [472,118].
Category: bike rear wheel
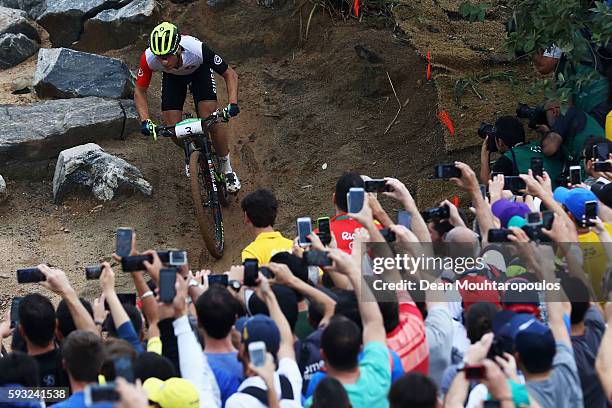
[205,195]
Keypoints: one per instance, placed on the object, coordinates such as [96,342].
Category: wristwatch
[235,285]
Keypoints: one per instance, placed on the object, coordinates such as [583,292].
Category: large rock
[15,48]
[88,166]
[112,29]
[41,130]
[33,8]
[63,19]
[3,192]
[15,21]
[65,73]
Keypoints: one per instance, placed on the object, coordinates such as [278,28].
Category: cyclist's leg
[205,94]
[173,94]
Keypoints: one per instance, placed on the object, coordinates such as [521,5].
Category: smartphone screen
[15,311]
[93,272]
[167,280]
[590,212]
[30,275]
[124,242]
[537,166]
[534,218]
[324,233]
[317,258]
[177,258]
[251,271]
[404,218]
[257,353]
[354,199]
[376,186]
[547,219]
[601,151]
[218,280]
[575,175]
[304,227]
[98,393]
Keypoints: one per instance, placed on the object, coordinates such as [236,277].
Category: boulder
[15,48]
[15,21]
[65,73]
[42,129]
[3,192]
[63,19]
[112,29]
[89,167]
[33,8]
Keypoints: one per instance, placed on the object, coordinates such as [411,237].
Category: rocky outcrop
[112,29]
[63,19]
[15,48]
[15,21]
[33,8]
[41,130]
[65,73]
[91,168]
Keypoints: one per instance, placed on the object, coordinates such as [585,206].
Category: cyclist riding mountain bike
[184,60]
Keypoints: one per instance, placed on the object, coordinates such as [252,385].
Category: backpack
[262,395]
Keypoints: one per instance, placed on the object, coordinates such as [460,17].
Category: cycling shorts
[174,88]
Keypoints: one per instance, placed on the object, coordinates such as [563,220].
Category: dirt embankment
[302,106]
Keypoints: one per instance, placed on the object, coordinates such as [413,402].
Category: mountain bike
[207,182]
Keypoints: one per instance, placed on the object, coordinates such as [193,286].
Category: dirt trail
[301,107]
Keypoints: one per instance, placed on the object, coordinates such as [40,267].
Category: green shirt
[522,158]
[372,387]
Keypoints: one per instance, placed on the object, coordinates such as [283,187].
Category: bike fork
[187,154]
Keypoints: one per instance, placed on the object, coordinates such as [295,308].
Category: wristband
[193,283]
[99,323]
[146,295]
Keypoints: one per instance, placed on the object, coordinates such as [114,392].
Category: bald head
[461,235]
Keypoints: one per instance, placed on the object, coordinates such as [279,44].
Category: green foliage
[538,24]
[473,12]
[472,82]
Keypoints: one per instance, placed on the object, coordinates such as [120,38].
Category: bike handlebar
[169,131]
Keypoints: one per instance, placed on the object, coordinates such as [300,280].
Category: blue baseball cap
[260,328]
[533,340]
[574,200]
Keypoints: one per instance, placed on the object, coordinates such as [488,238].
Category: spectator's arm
[401,193]
[340,281]
[149,304]
[603,363]
[373,326]
[283,276]
[169,342]
[265,293]
[485,165]
[469,183]
[59,284]
[192,360]
[266,372]
[378,212]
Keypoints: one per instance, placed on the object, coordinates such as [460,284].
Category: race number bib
[188,127]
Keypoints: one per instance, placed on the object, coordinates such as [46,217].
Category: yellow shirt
[265,246]
[609,126]
[595,259]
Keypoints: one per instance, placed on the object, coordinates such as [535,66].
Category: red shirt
[343,227]
[408,339]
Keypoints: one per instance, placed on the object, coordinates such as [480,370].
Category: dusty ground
[303,104]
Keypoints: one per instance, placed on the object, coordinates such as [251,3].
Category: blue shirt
[127,332]
[77,400]
[228,372]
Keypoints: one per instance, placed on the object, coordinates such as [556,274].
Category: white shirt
[191,55]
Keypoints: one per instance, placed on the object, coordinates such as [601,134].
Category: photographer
[566,133]
[508,138]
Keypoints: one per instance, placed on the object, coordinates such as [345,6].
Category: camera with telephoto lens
[487,130]
[536,116]
[436,213]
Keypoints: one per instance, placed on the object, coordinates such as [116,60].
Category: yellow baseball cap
[173,393]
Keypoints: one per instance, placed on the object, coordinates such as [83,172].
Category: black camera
[536,116]
[446,171]
[487,130]
[436,213]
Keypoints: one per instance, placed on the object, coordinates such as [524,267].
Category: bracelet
[146,295]
[193,283]
[99,323]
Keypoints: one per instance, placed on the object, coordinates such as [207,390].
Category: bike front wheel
[205,195]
